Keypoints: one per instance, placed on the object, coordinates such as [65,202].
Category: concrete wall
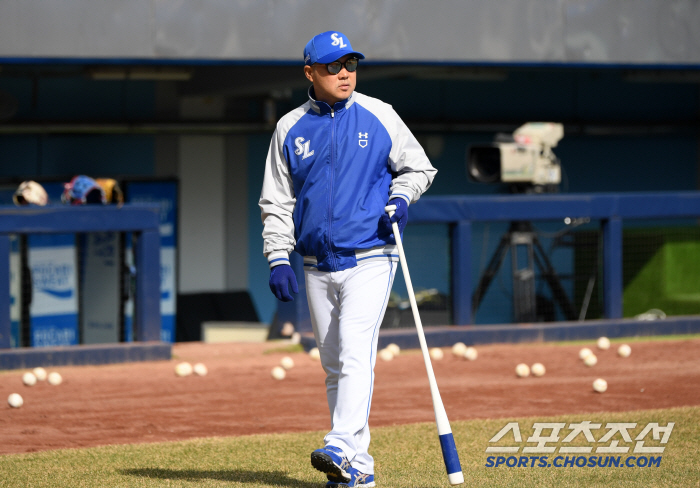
[236,203]
[646,32]
[202,239]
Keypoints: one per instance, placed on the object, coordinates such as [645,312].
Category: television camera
[524,161]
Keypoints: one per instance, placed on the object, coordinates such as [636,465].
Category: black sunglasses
[335,67]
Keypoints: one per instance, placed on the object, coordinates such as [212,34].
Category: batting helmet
[81,190]
[30,193]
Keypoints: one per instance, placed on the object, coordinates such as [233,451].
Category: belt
[363,256]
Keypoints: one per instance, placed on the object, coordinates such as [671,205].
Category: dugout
[145,92]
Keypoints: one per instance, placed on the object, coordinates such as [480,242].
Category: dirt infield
[146,402]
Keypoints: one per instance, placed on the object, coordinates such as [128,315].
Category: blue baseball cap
[327,47]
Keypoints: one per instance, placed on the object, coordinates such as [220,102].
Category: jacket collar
[323,108]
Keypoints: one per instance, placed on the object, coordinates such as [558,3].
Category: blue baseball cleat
[356,479]
[332,461]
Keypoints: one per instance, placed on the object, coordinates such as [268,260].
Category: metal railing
[610,209]
[143,220]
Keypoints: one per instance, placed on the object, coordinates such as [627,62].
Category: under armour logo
[302,148]
[363,142]
[338,41]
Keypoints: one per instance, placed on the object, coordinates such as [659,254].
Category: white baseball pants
[347,308]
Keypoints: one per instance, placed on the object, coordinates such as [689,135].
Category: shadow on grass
[277,478]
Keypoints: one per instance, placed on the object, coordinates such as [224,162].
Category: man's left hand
[400,217]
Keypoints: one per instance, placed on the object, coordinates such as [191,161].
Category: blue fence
[143,220]
[610,209]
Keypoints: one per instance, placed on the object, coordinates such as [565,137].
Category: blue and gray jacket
[329,174]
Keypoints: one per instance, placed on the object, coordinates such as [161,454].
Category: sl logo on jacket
[302,148]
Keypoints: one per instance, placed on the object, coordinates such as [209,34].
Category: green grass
[291,348]
[406,457]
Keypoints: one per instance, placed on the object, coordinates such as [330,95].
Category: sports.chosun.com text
[573,462]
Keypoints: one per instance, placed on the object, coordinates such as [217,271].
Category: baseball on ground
[29,379]
[459,348]
[470,353]
[436,353]
[15,400]
[287,362]
[624,351]
[590,360]
[200,369]
[54,379]
[278,373]
[394,348]
[40,373]
[287,329]
[603,343]
[386,354]
[538,369]
[584,352]
[522,370]
[600,385]
[314,353]
[183,369]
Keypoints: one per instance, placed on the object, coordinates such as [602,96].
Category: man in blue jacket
[334,163]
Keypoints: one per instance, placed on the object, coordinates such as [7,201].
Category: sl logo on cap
[338,41]
[363,142]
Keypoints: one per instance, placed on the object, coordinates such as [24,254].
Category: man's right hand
[281,277]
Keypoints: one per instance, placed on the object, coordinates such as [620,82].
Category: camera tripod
[521,234]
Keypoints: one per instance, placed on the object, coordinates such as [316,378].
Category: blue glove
[280,277]
[400,217]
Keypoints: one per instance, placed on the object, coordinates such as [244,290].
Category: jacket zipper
[330,196]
